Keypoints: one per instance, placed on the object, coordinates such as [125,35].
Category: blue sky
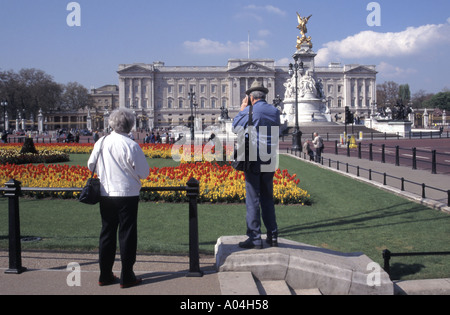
[412,45]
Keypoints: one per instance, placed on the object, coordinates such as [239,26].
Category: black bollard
[12,191]
[193,191]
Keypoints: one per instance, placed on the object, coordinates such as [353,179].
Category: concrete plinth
[402,128]
[305,267]
[309,111]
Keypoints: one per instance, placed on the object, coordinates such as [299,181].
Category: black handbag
[241,160]
[91,192]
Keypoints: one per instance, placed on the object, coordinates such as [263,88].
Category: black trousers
[118,214]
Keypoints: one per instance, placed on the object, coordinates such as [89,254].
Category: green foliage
[440,100]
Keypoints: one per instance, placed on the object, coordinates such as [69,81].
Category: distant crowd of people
[152,138]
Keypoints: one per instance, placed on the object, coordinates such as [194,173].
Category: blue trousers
[259,200]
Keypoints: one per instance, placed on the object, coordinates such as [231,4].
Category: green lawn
[346,215]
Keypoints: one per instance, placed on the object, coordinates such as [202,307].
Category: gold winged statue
[303,30]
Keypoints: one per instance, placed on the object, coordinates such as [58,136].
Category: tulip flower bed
[219,183]
[151,150]
[44,156]
[11,154]
[59,152]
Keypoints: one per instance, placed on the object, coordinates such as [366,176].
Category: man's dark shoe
[248,244]
[272,240]
[136,282]
[112,280]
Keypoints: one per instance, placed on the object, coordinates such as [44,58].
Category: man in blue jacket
[264,136]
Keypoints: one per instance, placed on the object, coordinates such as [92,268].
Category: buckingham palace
[161,96]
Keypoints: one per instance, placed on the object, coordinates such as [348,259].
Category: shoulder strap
[100,151]
[250,116]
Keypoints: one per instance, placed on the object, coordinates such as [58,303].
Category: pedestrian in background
[318,145]
[307,150]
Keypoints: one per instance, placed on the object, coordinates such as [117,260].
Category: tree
[387,93]
[75,96]
[39,91]
[28,91]
[9,89]
[418,99]
[440,100]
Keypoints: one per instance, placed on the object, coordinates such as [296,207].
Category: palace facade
[162,95]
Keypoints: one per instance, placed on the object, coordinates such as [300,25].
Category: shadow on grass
[399,270]
[383,217]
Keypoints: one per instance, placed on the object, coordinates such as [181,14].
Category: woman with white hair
[120,167]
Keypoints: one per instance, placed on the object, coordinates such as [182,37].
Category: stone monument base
[309,111]
[305,267]
[402,128]
[226,126]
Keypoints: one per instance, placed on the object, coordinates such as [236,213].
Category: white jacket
[121,166]
[318,142]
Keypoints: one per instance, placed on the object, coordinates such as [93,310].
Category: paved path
[424,149]
[162,275]
[47,274]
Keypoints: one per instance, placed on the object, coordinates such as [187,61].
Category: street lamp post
[4,104]
[297,134]
[191,95]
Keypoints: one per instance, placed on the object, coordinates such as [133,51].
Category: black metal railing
[13,192]
[387,254]
[371,172]
[414,157]
[430,134]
